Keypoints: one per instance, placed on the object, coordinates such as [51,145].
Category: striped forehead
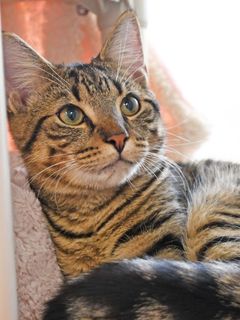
[93,80]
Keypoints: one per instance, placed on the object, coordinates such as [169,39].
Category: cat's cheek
[134,152]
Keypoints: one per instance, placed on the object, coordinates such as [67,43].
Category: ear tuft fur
[124,48]
[24,67]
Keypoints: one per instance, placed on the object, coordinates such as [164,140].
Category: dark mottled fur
[151,289]
[136,236]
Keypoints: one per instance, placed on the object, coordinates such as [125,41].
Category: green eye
[130,106]
[71,115]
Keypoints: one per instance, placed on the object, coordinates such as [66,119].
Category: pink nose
[118,141]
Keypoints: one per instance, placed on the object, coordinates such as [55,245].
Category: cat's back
[213,210]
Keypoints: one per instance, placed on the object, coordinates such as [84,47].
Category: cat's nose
[118,141]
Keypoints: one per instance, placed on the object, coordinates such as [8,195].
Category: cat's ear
[124,48]
[25,70]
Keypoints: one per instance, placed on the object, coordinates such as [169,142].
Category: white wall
[199,43]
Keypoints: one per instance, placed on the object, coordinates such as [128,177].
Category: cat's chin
[110,176]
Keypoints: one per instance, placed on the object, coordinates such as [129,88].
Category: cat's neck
[82,199]
[85,201]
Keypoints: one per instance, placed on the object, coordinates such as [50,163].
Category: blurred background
[199,43]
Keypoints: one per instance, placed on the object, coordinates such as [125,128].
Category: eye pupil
[129,105]
[71,113]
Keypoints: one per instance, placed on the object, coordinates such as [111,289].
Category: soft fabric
[38,275]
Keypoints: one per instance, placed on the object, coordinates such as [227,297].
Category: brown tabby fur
[145,205]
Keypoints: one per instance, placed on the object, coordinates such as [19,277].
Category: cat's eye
[71,115]
[130,106]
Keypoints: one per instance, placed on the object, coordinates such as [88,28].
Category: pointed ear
[25,70]
[124,48]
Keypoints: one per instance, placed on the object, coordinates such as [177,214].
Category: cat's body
[91,137]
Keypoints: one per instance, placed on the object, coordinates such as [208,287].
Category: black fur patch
[28,146]
[187,291]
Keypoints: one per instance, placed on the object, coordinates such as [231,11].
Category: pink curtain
[54,28]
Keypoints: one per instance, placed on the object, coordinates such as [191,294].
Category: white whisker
[42,171]
[58,78]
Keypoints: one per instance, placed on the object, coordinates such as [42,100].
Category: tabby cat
[136,236]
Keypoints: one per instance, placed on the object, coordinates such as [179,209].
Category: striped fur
[175,226]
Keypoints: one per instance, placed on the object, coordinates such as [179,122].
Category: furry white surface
[38,275]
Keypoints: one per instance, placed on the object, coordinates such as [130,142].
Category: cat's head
[96,124]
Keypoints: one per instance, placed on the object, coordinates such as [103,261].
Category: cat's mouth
[116,164]
[107,174]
